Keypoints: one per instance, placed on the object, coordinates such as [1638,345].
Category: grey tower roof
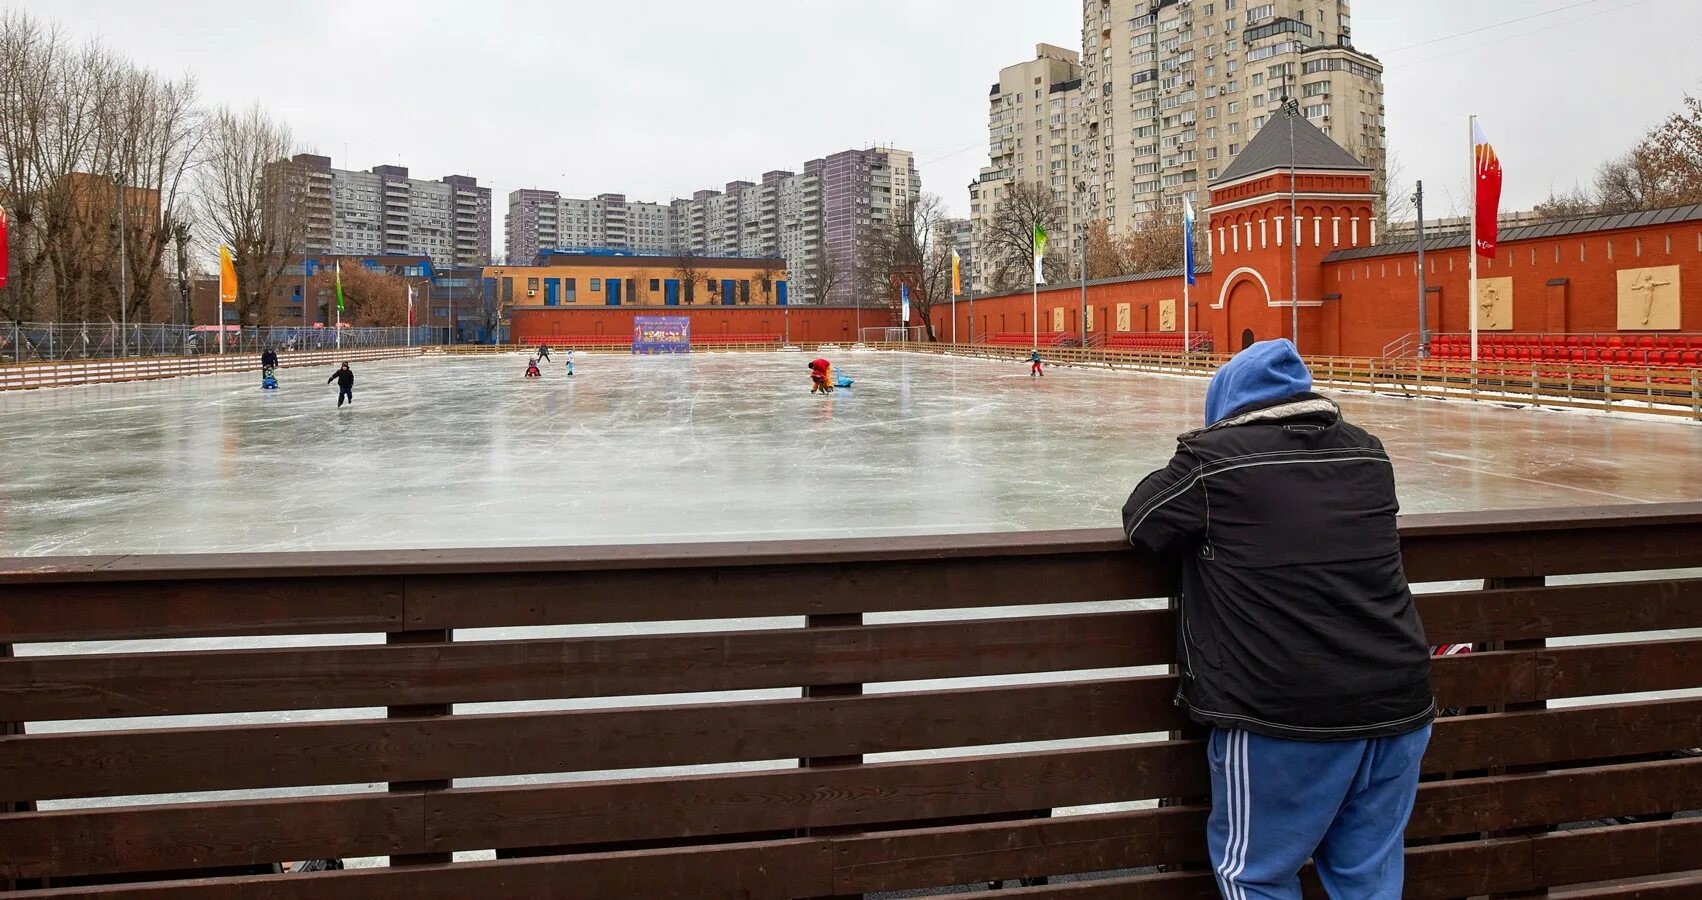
[1268,150]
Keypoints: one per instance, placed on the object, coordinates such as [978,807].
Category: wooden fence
[25,376]
[808,815]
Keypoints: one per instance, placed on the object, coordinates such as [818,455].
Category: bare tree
[1663,169]
[768,272]
[159,130]
[1008,240]
[912,250]
[1105,257]
[1394,193]
[1674,150]
[371,297]
[249,201]
[688,273]
[1156,243]
[824,279]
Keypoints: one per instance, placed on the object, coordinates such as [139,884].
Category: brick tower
[1251,230]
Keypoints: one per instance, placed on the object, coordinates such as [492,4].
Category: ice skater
[1034,368]
[532,368]
[544,352]
[345,378]
[269,359]
[570,363]
[818,376]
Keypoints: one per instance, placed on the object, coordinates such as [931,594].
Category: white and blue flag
[1188,237]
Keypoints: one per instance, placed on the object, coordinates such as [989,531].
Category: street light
[1291,109]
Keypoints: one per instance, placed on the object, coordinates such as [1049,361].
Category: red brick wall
[1363,304]
[802,323]
[1379,297]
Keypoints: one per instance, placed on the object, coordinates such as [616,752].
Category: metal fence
[35,341]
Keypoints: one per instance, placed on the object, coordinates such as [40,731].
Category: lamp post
[123,275]
[1291,108]
[1081,188]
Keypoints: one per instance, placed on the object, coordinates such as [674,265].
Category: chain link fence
[38,341]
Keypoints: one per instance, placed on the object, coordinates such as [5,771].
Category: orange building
[602,278]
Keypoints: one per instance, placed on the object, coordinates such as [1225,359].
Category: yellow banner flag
[956,274]
[227,276]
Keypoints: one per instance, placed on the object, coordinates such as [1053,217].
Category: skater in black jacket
[345,378]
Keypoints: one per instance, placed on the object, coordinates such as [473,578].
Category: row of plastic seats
[1610,341]
[736,338]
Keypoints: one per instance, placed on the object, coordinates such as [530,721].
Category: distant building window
[655,284]
[531,285]
[596,284]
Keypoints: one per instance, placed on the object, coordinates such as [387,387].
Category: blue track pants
[1345,804]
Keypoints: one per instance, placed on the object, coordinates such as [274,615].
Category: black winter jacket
[1296,620]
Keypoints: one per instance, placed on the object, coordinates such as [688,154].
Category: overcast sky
[657,99]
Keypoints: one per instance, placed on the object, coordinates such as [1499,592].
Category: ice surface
[465,452]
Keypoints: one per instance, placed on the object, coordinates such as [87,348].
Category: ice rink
[466,452]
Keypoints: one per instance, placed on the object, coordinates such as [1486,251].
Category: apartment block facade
[383,211]
[544,220]
[815,219]
[1034,122]
[1174,89]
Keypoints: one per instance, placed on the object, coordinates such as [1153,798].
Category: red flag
[5,246]
[1487,174]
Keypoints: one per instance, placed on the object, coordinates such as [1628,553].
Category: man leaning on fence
[1298,642]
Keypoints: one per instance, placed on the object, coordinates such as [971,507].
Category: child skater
[818,376]
[569,363]
[1034,368]
[532,368]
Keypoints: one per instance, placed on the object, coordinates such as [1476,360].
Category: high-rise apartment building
[1033,136]
[1174,89]
[384,212]
[545,220]
[816,219]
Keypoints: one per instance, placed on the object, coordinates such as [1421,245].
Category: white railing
[42,374]
[27,341]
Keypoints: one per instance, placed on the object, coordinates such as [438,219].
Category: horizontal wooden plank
[522,586]
[118,610]
[1548,673]
[117,763]
[768,801]
[876,585]
[1442,551]
[86,841]
[956,855]
[1501,802]
[152,684]
[206,835]
[810,798]
[1681,888]
[776,870]
[287,604]
[1542,736]
[1561,611]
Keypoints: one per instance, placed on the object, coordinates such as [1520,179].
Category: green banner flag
[1039,250]
[339,287]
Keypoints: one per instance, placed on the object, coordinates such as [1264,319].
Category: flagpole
[1471,139]
[1187,278]
[1034,240]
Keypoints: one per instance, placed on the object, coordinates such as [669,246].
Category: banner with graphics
[661,334]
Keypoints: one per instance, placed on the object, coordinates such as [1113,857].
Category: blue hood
[1262,373]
